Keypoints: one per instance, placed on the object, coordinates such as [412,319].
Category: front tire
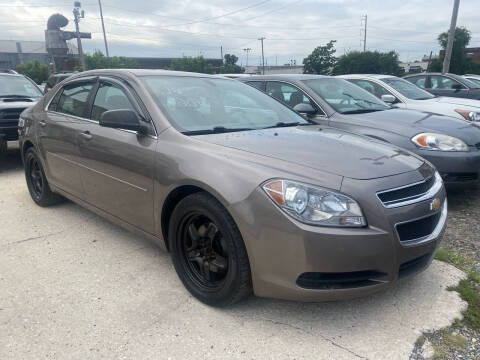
[37,182]
[208,251]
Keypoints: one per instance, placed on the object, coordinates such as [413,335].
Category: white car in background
[401,93]
[472,77]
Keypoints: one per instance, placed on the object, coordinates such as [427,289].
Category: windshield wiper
[361,111]
[284,124]
[215,130]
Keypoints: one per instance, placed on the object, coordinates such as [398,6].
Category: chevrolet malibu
[246,195]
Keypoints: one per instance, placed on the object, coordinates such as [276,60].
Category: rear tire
[37,182]
[208,251]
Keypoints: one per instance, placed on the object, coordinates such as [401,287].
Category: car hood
[21,103]
[409,123]
[457,101]
[322,148]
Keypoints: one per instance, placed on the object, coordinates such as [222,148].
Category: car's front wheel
[37,182]
[208,251]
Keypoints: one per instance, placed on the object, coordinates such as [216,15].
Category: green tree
[230,65]
[192,64]
[459,62]
[98,61]
[368,62]
[34,70]
[321,60]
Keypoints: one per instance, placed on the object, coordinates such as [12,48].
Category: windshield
[198,105]
[345,97]
[18,86]
[474,80]
[467,82]
[407,89]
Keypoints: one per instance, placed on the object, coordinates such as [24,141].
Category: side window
[109,97]
[419,81]
[443,82]
[73,100]
[287,94]
[371,87]
[260,85]
[54,102]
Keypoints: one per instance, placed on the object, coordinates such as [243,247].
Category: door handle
[86,135]
[42,123]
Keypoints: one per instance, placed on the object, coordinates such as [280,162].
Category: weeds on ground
[468,289]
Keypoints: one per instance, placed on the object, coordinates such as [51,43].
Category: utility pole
[77,15]
[364,23]
[247,50]
[221,52]
[103,27]
[263,57]
[429,60]
[451,38]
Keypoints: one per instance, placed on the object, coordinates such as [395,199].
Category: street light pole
[263,57]
[77,15]
[451,38]
[103,28]
[247,50]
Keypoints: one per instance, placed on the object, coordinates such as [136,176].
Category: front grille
[413,266]
[409,192]
[344,280]
[10,114]
[418,229]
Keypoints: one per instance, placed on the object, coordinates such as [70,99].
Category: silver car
[403,94]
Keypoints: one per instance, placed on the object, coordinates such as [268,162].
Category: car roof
[361,76]
[432,73]
[11,75]
[290,77]
[144,72]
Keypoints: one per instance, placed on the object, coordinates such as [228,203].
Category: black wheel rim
[36,178]
[204,252]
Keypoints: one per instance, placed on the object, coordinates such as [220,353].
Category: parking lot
[76,286]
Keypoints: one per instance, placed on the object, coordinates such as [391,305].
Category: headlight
[440,142]
[469,115]
[21,122]
[314,205]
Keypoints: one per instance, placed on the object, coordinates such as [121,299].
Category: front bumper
[456,168]
[294,261]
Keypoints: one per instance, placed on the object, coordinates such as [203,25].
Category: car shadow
[12,160]
[463,198]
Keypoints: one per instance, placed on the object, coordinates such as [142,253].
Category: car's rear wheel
[37,182]
[208,251]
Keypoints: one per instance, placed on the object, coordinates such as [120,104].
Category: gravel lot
[463,231]
[76,286]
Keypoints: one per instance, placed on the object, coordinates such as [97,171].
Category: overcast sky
[292,28]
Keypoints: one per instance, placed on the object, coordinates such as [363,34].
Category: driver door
[118,165]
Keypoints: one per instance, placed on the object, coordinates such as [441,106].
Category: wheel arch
[174,197]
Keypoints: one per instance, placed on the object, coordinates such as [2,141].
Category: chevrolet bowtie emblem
[435,204]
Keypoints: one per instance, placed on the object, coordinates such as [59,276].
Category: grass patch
[440,354]
[468,289]
[455,341]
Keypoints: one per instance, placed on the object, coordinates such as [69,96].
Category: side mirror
[305,109]
[120,119]
[389,99]
[457,87]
